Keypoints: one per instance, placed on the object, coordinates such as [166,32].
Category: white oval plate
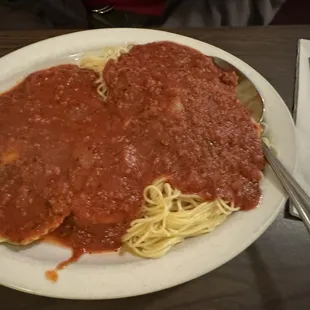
[113,276]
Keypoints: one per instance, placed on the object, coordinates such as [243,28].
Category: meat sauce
[71,158]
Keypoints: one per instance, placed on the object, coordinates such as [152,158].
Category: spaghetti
[168,215]
[98,62]
[84,160]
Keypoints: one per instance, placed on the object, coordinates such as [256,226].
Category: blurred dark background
[81,14]
[293,12]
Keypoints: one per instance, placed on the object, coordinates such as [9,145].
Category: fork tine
[103,10]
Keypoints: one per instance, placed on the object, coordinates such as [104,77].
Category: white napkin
[303,117]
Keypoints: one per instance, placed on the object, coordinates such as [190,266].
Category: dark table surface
[274,272]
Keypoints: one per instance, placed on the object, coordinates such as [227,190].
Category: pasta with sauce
[168,216]
[138,147]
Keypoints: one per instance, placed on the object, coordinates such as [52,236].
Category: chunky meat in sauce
[169,112]
[40,121]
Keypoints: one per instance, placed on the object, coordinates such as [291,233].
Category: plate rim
[191,42]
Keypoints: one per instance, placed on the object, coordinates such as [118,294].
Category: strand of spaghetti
[98,62]
[169,217]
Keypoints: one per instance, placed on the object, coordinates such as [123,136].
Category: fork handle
[297,195]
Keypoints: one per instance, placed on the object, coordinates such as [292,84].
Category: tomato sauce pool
[70,160]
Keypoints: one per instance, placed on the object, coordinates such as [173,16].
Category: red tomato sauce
[84,163]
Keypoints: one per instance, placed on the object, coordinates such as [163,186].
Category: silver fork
[103,10]
[297,195]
